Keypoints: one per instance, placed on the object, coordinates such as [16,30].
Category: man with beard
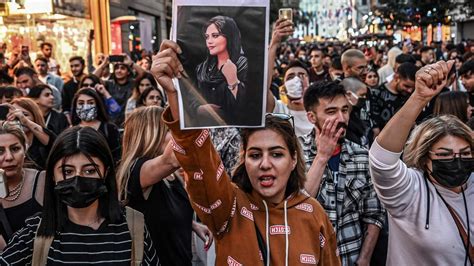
[354,64]
[427,55]
[338,174]
[389,97]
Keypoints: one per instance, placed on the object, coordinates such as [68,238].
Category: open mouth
[266,181]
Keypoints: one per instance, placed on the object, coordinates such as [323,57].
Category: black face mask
[361,103]
[79,191]
[453,173]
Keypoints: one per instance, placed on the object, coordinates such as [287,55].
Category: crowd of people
[365,159]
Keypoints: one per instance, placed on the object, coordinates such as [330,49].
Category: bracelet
[233,86]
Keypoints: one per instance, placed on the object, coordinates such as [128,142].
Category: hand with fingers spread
[166,65]
[431,79]
[16,114]
[282,29]
[327,138]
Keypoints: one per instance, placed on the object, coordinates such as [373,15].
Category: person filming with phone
[429,194]
[121,84]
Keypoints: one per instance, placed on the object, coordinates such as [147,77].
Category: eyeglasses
[449,155]
[282,116]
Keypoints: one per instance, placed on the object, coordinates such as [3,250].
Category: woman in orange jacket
[264,217]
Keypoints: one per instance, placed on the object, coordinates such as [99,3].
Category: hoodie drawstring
[266,232]
[286,234]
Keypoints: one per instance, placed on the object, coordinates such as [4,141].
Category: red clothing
[231,214]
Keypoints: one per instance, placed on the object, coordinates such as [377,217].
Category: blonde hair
[15,130]
[32,107]
[428,133]
[143,136]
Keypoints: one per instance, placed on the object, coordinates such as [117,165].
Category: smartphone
[3,112]
[3,185]
[285,13]
[116,58]
[91,34]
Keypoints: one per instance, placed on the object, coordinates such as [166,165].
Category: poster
[224,46]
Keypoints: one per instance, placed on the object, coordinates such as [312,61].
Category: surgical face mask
[360,101]
[452,173]
[294,88]
[79,191]
[86,112]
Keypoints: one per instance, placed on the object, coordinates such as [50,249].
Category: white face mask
[294,88]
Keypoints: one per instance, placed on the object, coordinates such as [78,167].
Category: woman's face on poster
[215,41]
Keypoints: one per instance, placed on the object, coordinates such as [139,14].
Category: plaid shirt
[349,199]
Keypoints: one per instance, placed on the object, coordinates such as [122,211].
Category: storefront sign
[20,7]
[73,8]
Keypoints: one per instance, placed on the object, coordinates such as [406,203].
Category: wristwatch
[233,86]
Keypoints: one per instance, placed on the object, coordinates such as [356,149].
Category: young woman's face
[371,79]
[46,99]
[144,84]
[12,155]
[78,165]
[85,99]
[269,164]
[153,98]
[215,41]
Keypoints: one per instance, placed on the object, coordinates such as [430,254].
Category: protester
[296,81]
[354,64]
[47,52]
[338,174]
[270,177]
[372,78]
[26,78]
[317,72]
[88,110]
[39,139]
[146,82]
[151,97]
[466,72]
[148,184]
[427,193]
[55,82]
[91,81]
[121,84]
[427,55]
[82,221]
[24,185]
[43,96]
[70,88]
[388,98]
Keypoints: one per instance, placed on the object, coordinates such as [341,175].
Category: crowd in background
[97,119]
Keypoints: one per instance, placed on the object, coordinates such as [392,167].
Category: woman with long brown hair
[148,184]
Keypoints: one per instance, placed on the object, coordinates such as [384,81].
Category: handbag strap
[462,232]
[261,244]
[5,224]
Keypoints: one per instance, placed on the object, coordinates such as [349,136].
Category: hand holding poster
[224,59]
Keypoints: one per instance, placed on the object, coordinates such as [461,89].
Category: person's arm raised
[430,80]
[282,29]
[210,191]
[165,66]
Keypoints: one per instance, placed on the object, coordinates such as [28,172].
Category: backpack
[136,226]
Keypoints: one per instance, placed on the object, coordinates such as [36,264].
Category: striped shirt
[110,244]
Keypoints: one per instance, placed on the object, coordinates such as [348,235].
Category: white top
[302,125]
[403,192]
